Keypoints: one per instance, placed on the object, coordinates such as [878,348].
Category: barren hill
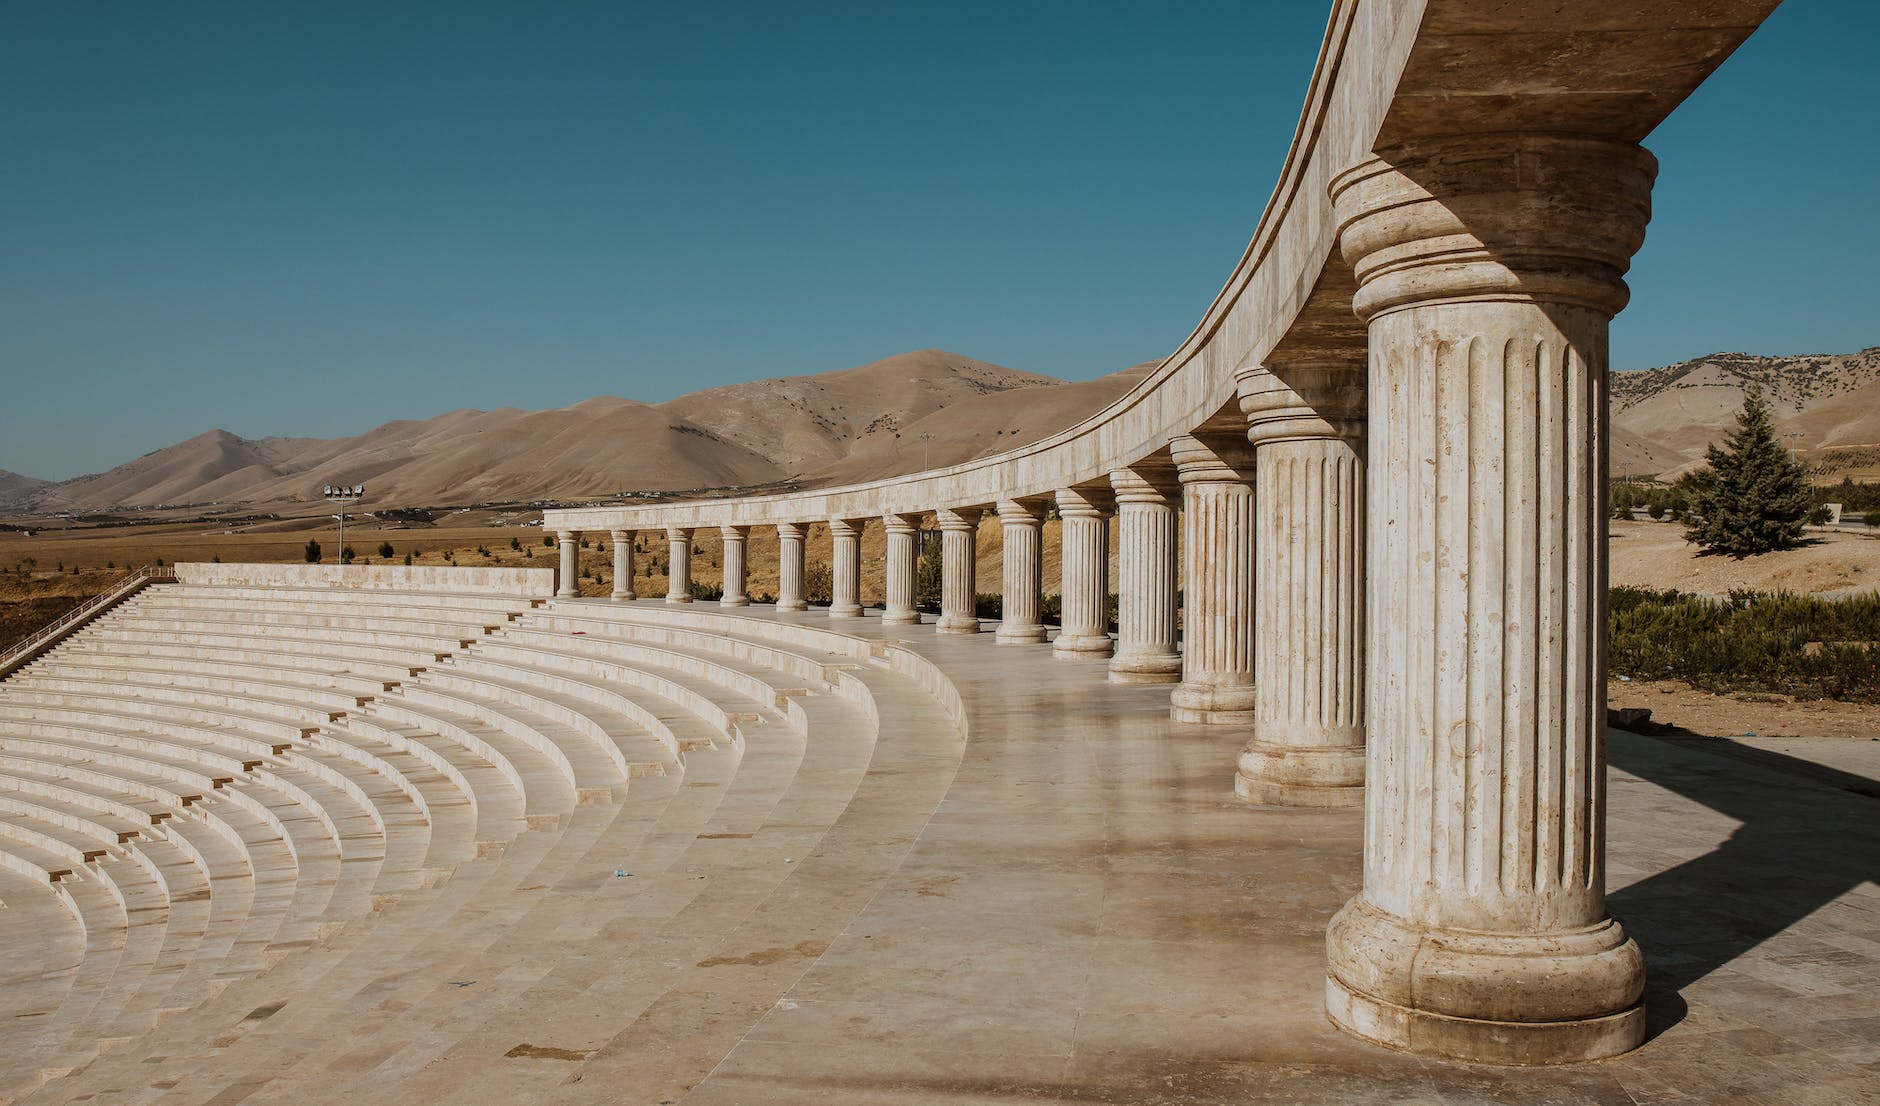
[850,424]
[1663,418]
[15,487]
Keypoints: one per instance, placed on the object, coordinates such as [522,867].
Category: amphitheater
[1327,817]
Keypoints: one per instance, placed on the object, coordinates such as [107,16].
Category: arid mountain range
[1663,418]
[880,419]
[886,418]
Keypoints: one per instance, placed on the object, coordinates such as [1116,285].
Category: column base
[792,605]
[735,601]
[1320,774]
[1210,705]
[951,624]
[678,599]
[1020,635]
[854,611]
[1146,668]
[1082,646]
[623,598]
[901,618]
[1492,998]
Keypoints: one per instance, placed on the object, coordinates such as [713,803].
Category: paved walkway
[1092,917]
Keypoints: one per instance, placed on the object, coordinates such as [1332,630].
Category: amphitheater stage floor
[1087,914]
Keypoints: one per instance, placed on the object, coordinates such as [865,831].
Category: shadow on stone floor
[1808,835]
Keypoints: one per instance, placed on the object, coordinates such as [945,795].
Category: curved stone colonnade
[1387,437]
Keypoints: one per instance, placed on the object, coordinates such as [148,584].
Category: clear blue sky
[308,219]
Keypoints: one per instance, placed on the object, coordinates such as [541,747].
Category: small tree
[312,552]
[927,579]
[1623,501]
[386,551]
[1753,497]
[346,554]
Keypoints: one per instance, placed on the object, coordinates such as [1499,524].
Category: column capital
[1531,218]
[1152,481]
[567,535]
[959,518]
[1213,460]
[792,529]
[897,523]
[620,535]
[1021,510]
[1303,401]
[1087,500]
[847,526]
[680,533]
[734,532]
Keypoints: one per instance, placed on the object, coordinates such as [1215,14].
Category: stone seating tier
[669,752]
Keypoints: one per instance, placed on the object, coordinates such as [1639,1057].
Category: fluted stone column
[1145,569]
[678,564]
[1021,620]
[790,566]
[845,572]
[1488,270]
[565,541]
[1084,600]
[959,553]
[903,567]
[736,539]
[1306,423]
[1217,558]
[623,565]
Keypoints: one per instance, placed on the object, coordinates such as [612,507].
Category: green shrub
[819,587]
[1795,644]
[312,552]
[386,552]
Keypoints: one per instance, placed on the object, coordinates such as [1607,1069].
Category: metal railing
[51,634]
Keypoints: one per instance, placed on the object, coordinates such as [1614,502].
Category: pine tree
[1754,497]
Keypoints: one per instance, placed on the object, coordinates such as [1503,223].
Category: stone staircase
[280,844]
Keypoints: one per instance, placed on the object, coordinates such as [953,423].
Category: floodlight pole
[343,494]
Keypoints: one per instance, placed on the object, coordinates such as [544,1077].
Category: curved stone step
[303,712]
[319,654]
[637,742]
[316,623]
[42,951]
[243,842]
[289,810]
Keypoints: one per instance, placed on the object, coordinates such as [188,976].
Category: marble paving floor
[1091,916]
